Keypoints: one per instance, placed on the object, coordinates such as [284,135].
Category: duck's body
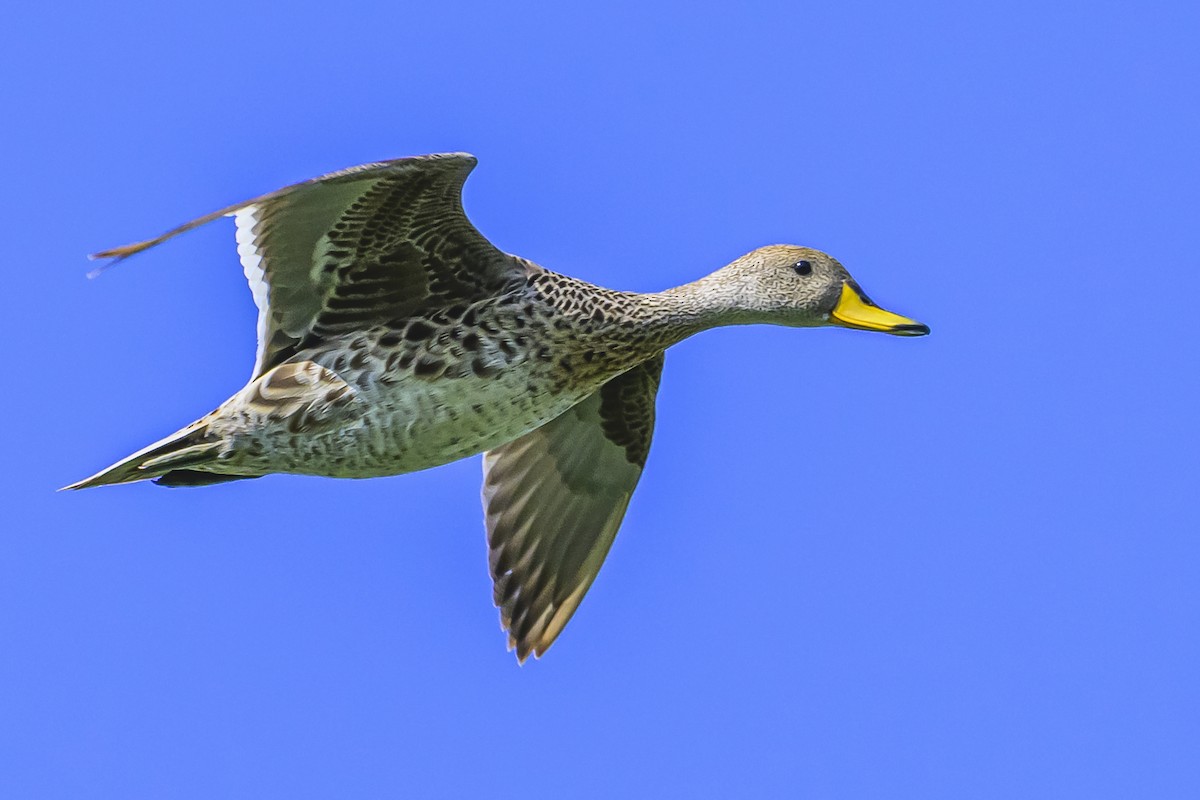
[424,391]
[393,338]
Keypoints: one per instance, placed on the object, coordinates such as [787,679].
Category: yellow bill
[855,310]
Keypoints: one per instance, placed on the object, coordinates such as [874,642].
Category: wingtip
[96,272]
[525,649]
[519,649]
[114,256]
[122,252]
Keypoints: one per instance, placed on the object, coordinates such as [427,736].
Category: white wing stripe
[256,275]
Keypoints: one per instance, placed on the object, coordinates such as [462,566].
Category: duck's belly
[406,426]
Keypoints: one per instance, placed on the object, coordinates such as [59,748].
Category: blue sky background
[857,566]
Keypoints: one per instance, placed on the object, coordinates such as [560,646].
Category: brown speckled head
[786,284]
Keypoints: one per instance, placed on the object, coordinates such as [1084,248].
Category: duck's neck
[711,302]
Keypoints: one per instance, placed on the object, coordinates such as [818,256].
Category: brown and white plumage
[392,337]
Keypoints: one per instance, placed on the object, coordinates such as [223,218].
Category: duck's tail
[183,450]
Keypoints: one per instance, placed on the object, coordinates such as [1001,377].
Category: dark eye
[803,267]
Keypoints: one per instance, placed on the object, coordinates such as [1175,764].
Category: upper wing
[367,244]
[554,499]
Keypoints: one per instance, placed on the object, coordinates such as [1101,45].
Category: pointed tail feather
[186,449]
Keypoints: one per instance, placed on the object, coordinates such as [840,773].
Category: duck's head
[802,287]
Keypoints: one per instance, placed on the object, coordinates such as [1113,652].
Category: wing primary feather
[118,254]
